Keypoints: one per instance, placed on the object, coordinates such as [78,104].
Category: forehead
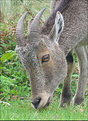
[29,55]
[38,48]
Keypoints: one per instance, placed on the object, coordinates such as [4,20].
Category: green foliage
[7,38]
[7,56]
[13,76]
[14,80]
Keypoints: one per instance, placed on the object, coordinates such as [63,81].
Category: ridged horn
[20,38]
[34,29]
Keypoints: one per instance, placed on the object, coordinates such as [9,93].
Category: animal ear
[57,28]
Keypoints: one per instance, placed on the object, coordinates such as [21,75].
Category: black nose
[36,102]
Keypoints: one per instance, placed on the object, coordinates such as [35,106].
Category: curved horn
[33,29]
[20,31]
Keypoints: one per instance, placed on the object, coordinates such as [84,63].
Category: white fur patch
[59,25]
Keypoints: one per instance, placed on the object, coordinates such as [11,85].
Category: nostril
[36,102]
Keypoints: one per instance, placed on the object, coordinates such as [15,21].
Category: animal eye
[45,58]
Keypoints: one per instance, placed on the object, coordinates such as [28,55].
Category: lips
[48,102]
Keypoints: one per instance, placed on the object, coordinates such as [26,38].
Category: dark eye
[45,58]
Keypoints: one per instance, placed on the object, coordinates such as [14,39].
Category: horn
[33,29]
[20,38]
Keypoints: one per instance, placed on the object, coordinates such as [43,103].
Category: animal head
[42,58]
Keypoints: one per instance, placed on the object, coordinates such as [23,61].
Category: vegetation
[22,110]
[14,83]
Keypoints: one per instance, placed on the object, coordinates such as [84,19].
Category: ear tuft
[59,25]
[55,33]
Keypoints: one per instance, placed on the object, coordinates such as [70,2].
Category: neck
[46,28]
[75,30]
[75,18]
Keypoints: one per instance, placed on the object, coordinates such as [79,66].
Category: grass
[22,110]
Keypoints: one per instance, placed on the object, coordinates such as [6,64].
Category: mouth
[48,102]
[37,102]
